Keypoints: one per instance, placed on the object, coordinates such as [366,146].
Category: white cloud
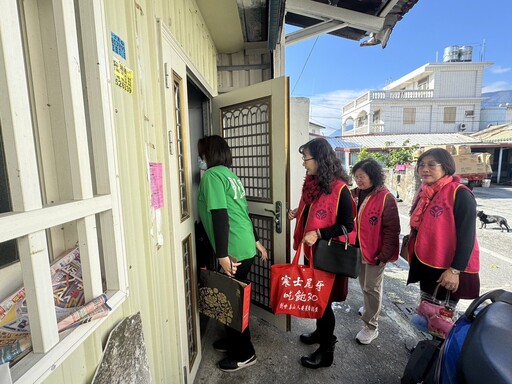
[497,86]
[326,107]
[498,69]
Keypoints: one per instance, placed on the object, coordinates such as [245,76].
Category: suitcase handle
[495,295]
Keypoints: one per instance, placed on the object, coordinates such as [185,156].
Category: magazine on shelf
[71,309]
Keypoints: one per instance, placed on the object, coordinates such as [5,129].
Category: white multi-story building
[435,98]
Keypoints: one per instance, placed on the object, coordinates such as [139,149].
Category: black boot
[310,338]
[322,357]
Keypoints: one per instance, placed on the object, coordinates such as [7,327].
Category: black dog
[488,219]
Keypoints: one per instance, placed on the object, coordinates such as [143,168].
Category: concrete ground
[384,360]
[278,353]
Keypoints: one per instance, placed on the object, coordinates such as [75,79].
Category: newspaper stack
[70,307]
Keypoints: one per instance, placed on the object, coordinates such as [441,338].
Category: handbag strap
[447,298]
[297,255]
[345,233]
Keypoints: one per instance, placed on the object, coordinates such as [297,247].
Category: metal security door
[254,122]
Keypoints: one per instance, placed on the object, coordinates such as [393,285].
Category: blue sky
[332,71]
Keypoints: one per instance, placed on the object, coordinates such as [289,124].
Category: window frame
[449,115]
[423,83]
[179,122]
[409,115]
[30,219]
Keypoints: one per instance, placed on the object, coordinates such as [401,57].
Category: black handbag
[338,257]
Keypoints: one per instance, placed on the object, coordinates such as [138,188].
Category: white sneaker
[361,311]
[366,335]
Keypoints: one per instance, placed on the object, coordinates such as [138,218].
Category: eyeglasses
[306,160]
[430,165]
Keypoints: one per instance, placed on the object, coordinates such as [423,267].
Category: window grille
[180,150]
[190,283]
[60,168]
[246,128]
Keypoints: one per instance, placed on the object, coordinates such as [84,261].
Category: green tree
[364,154]
[391,157]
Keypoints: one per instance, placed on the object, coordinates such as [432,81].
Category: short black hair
[442,156]
[215,151]
[373,169]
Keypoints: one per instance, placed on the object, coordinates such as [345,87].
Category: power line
[327,106]
[322,124]
[305,63]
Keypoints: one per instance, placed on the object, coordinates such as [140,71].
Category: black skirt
[469,283]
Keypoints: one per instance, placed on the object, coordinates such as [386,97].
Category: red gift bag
[299,290]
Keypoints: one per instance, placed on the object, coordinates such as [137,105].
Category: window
[246,128]
[449,114]
[180,145]
[409,115]
[469,113]
[60,168]
[423,83]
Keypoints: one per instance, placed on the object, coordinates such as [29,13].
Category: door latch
[277,216]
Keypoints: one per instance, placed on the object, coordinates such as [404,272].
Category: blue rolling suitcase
[478,347]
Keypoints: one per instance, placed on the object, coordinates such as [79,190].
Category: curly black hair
[329,166]
[373,169]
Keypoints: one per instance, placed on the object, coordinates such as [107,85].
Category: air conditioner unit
[462,127]
[469,113]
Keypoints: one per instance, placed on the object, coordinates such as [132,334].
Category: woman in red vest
[325,207]
[443,249]
[378,236]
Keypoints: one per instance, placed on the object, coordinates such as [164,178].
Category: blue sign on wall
[118,45]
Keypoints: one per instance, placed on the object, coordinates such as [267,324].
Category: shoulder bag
[338,257]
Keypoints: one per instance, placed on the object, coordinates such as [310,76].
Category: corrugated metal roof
[496,134]
[396,141]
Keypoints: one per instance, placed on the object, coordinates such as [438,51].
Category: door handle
[277,216]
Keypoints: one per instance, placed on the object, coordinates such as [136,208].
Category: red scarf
[310,189]
[425,194]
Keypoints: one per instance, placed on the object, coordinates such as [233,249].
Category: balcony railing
[363,130]
[390,95]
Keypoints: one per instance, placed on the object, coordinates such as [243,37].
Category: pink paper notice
[157,190]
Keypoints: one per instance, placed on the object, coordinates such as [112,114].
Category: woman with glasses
[378,236]
[325,207]
[443,249]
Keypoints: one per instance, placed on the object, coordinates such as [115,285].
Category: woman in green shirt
[225,216]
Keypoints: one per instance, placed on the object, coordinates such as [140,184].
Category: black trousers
[240,347]
[325,326]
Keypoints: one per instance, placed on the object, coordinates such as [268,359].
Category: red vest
[322,214]
[369,225]
[436,239]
